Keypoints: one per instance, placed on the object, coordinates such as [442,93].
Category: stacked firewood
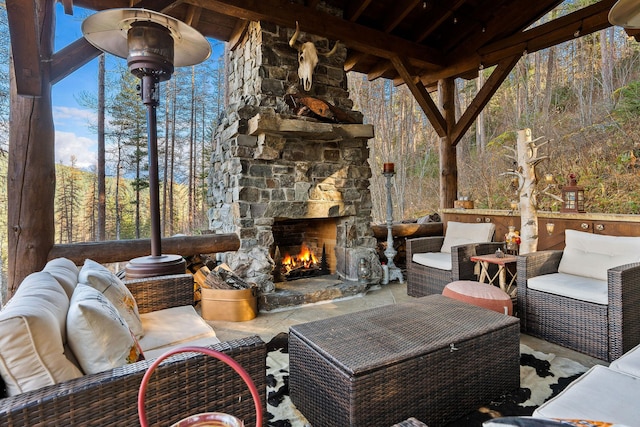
[222,277]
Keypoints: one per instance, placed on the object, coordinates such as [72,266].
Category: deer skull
[307,58]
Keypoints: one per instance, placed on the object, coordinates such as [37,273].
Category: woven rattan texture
[423,280]
[602,331]
[182,385]
[381,366]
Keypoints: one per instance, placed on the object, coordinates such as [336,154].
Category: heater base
[155,265]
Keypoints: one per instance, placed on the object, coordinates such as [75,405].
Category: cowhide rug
[542,376]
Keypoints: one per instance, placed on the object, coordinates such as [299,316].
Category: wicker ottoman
[435,359]
[480,294]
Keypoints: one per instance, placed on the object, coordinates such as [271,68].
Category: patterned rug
[542,376]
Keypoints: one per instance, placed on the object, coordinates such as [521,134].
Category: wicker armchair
[183,385]
[425,280]
[604,331]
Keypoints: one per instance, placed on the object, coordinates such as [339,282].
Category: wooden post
[31,183]
[448,158]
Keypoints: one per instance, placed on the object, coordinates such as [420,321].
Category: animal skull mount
[307,58]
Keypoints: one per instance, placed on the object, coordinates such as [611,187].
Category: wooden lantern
[572,196]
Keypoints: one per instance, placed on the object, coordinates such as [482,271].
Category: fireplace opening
[303,248]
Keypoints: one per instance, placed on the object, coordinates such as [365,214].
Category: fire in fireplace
[303,264]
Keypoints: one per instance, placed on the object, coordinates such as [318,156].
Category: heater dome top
[107,30]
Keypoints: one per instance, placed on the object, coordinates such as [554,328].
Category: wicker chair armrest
[461,265]
[488,248]
[158,293]
[537,263]
[423,245]
[624,316]
[110,397]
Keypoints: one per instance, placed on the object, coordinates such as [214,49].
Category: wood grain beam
[483,97]
[432,26]
[588,20]
[238,33]
[25,46]
[379,70]
[359,37]
[355,9]
[193,16]
[68,6]
[401,10]
[71,57]
[421,95]
[352,60]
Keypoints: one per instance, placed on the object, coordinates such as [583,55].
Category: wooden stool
[480,294]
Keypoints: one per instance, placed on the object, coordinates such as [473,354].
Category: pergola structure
[425,44]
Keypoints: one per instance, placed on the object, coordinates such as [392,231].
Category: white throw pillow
[32,328]
[464,233]
[65,272]
[102,279]
[591,255]
[98,336]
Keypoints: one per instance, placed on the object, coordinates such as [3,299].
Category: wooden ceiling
[427,40]
[438,38]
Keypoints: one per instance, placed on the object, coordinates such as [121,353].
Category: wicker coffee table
[434,359]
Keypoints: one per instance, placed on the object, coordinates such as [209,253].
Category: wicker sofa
[182,385]
[586,297]
[433,262]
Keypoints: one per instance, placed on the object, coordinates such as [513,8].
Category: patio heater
[152,43]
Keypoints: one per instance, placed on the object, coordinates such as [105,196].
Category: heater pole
[149,95]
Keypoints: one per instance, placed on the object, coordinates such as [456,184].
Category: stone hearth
[270,165]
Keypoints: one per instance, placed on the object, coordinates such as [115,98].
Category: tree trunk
[31,172]
[528,193]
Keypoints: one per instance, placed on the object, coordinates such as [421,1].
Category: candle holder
[390,252]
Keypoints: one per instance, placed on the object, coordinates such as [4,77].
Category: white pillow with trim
[102,279]
[464,233]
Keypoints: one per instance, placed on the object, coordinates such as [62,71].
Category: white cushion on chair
[463,233]
[600,394]
[572,286]
[629,362]
[439,260]
[591,255]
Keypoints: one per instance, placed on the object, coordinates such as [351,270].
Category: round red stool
[480,294]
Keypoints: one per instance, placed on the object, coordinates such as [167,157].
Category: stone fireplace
[278,179]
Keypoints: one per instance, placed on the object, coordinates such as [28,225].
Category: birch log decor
[526,158]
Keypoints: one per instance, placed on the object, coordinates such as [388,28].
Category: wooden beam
[355,9]
[238,34]
[483,97]
[68,6]
[421,95]
[359,37]
[448,155]
[432,26]
[193,15]
[352,60]
[31,167]
[25,46]
[124,250]
[401,10]
[588,20]
[379,70]
[72,57]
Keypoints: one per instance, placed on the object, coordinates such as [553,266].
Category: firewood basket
[206,419]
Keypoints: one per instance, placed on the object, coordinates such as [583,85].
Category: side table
[506,275]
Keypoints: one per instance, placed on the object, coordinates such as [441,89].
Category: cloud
[83,148]
[70,116]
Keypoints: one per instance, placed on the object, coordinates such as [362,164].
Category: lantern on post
[572,196]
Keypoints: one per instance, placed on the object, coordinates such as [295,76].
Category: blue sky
[73,123]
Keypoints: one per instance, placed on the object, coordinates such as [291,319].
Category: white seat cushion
[591,255]
[572,286]
[463,233]
[629,362]
[172,327]
[600,394]
[439,260]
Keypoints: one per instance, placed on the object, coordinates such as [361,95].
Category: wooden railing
[123,250]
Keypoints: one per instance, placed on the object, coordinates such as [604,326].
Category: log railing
[123,250]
